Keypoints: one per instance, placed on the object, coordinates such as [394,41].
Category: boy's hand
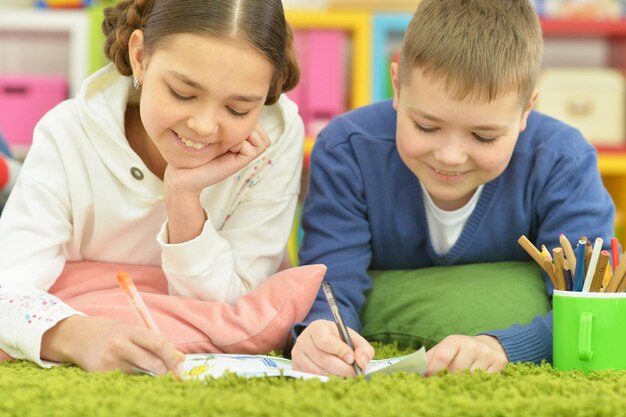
[320,350]
[457,353]
[104,345]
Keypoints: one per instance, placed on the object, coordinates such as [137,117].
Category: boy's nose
[450,153]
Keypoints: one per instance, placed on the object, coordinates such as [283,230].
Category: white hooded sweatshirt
[77,199]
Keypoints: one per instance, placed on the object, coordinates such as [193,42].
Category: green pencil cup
[589,331]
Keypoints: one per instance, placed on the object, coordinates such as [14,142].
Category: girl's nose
[203,123]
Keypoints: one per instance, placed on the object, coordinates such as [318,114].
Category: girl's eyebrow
[247,99]
[186,80]
[193,84]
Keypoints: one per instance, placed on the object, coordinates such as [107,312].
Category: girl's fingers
[163,353]
[248,150]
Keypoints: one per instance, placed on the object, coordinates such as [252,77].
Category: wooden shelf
[584,28]
[612,163]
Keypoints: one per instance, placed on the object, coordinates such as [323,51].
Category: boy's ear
[395,83]
[136,53]
[527,109]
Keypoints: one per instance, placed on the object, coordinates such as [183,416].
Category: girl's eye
[179,97]
[425,129]
[484,139]
[236,113]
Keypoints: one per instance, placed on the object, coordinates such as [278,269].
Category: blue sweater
[364,210]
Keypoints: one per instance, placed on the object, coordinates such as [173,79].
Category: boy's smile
[453,146]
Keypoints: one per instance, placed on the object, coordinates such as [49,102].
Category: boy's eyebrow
[193,84]
[490,128]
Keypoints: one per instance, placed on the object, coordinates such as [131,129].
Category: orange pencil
[130,291]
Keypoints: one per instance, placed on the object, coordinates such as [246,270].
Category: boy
[452,171]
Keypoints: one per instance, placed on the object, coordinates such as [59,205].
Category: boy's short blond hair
[481,49]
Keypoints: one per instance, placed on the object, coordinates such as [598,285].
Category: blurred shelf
[584,28]
[359,24]
[612,162]
[74,24]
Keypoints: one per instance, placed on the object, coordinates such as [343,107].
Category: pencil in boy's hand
[341,325]
[135,300]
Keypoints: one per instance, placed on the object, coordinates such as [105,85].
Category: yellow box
[592,100]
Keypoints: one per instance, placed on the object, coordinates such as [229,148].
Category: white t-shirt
[444,226]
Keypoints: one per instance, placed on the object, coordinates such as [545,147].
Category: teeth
[191,144]
[446,173]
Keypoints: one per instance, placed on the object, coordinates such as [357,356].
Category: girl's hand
[186,217]
[320,350]
[194,180]
[104,345]
[457,353]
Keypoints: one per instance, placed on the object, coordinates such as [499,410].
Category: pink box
[327,77]
[24,99]
[322,92]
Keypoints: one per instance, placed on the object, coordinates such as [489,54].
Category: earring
[136,83]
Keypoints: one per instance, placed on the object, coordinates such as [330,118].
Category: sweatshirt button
[136,173]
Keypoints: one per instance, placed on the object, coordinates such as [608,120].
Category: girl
[182,154]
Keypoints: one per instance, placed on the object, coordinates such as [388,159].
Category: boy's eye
[236,113]
[179,96]
[484,139]
[425,129]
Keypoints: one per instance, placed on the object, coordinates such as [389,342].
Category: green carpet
[521,390]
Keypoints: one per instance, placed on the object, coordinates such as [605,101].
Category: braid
[119,23]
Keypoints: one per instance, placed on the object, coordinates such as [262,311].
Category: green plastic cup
[589,331]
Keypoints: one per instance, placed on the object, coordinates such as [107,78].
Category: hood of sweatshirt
[102,100]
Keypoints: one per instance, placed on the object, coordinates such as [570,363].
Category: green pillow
[421,307]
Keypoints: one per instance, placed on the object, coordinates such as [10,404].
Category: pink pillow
[259,322]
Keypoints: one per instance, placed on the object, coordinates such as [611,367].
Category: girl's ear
[529,107]
[395,84]
[136,54]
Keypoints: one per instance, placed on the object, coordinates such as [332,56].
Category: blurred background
[345,47]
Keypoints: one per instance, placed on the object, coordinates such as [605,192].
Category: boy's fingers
[363,351]
[439,358]
[306,364]
[331,344]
